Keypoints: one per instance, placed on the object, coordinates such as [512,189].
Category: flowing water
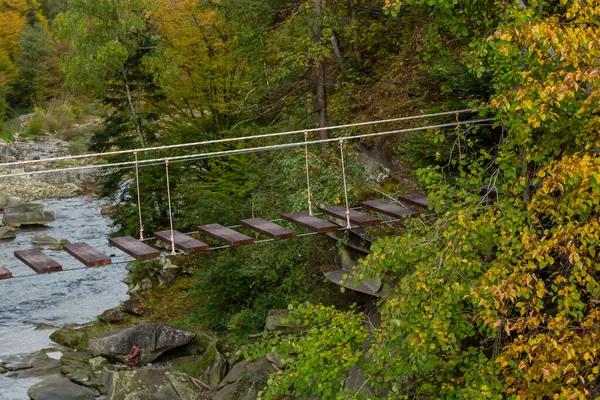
[75,296]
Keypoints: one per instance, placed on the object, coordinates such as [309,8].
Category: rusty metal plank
[310,222]
[357,219]
[225,234]
[38,261]
[182,241]
[135,248]
[414,199]
[268,228]
[385,207]
[5,274]
[87,255]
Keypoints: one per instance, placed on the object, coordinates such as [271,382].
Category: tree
[33,61]
[497,297]
[197,66]
[104,35]
[12,17]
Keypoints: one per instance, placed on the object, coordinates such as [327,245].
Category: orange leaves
[11,22]
[546,293]
[555,79]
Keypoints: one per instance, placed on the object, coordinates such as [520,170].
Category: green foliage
[494,297]
[103,34]
[51,8]
[37,123]
[78,145]
[238,287]
[318,359]
[140,271]
[33,61]
[54,119]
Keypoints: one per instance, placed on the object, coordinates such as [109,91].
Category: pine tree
[35,49]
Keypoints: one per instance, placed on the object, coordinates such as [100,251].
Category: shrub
[60,118]
[37,123]
[238,287]
[78,145]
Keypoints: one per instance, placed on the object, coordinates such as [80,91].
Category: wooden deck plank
[135,248]
[182,241]
[394,210]
[357,219]
[225,234]
[414,199]
[87,255]
[38,261]
[5,274]
[310,222]
[268,228]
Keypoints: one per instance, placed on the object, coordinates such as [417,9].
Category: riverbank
[75,296]
[178,356]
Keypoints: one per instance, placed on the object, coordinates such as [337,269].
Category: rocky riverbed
[30,305]
[52,346]
[41,186]
[176,363]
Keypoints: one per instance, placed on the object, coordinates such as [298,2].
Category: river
[75,296]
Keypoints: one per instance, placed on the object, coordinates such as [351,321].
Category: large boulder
[7,232]
[153,339]
[196,347]
[27,214]
[212,366]
[150,383]
[76,367]
[57,387]
[35,364]
[44,240]
[8,151]
[13,201]
[244,380]
[113,316]
[134,307]
[69,337]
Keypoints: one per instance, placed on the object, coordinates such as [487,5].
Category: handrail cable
[244,151]
[226,140]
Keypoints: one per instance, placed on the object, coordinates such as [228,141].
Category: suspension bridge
[337,218]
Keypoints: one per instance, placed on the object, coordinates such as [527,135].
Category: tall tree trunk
[355,37]
[134,113]
[321,93]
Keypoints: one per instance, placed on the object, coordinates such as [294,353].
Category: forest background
[495,297]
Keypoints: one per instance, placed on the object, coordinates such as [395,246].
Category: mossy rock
[212,366]
[68,337]
[76,367]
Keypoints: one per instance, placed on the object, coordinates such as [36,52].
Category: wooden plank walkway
[357,219]
[38,261]
[225,234]
[268,228]
[87,255]
[417,200]
[388,208]
[182,241]
[310,223]
[135,248]
[5,274]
